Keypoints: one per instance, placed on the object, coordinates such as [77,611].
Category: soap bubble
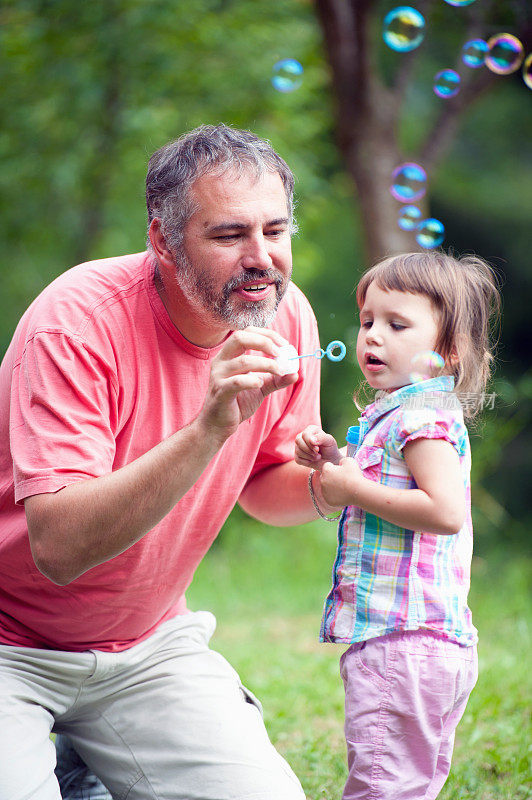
[409,182]
[474,53]
[527,71]
[426,365]
[287,75]
[505,53]
[403,29]
[430,233]
[459,2]
[446,83]
[409,217]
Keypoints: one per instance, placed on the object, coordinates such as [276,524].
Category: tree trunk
[368,112]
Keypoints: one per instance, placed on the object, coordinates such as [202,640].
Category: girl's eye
[397,326]
[367,323]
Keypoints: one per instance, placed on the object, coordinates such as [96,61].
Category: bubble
[287,75]
[409,182]
[426,365]
[459,2]
[446,83]
[409,217]
[403,29]
[474,53]
[430,233]
[527,70]
[505,53]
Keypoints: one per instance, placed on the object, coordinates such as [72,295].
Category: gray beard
[199,289]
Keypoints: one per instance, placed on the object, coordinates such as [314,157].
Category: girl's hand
[314,448]
[340,483]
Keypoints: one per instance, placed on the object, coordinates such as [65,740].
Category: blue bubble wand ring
[320,352]
[288,353]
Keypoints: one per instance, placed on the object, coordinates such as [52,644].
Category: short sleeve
[428,423]
[62,414]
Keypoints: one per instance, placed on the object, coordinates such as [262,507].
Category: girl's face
[394,327]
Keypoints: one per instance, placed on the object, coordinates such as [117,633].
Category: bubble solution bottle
[352,437]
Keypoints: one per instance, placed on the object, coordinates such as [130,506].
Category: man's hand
[241,377]
[314,448]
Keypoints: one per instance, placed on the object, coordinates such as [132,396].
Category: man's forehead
[238,197]
[231,181]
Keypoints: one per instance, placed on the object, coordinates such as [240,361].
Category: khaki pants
[167,719]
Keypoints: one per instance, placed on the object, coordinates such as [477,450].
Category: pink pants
[404,696]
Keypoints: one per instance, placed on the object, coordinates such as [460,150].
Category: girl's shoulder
[431,421]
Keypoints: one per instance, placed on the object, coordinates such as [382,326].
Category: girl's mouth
[374,364]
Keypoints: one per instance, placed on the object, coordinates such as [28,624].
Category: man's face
[237,257]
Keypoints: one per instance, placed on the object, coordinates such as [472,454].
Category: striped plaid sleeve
[428,423]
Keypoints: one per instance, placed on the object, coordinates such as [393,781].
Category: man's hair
[465,294]
[210,148]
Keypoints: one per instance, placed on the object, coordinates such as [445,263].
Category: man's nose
[257,253]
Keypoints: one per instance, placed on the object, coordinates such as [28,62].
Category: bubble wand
[288,353]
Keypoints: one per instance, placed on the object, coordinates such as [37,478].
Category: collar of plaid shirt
[386,401]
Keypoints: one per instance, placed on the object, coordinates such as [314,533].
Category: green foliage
[89,90]
[267,586]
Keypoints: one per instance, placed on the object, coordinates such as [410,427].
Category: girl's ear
[454,360]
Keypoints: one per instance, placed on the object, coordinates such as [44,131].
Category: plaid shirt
[387,578]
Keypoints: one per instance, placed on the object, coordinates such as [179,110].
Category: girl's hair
[464,291]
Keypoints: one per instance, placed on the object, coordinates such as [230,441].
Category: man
[140,399]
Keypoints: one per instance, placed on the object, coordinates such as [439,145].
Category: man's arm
[91,521]
[279,495]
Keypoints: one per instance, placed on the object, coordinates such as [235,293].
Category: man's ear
[160,247]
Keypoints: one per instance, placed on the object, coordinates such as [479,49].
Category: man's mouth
[254,287]
[254,291]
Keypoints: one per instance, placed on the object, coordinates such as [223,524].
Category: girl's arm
[436,506]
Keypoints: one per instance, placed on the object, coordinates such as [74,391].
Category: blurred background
[91,89]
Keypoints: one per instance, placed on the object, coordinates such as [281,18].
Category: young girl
[401,575]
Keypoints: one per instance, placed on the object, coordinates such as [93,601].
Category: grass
[266,587]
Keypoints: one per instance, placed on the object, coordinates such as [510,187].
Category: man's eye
[275,232]
[226,237]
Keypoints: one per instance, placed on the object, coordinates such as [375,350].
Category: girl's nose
[373,336]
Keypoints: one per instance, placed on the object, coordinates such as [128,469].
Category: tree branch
[442,132]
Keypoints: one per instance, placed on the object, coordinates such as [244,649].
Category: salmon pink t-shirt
[95,376]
